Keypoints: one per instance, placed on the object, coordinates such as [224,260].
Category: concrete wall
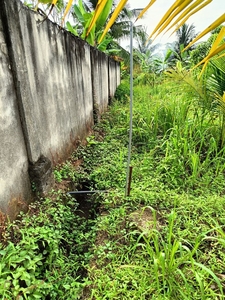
[100,69]
[114,80]
[50,85]
[14,179]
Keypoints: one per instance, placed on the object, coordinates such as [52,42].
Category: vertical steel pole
[131,108]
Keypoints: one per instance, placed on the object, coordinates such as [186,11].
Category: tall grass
[177,273]
[185,135]
[178,175]
[179,128]
[153,264]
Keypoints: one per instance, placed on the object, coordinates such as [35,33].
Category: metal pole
[131,108]
[129,182]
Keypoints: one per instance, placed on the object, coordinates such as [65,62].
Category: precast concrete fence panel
[51,84]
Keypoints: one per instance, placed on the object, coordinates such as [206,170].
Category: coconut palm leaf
[216,80]
[174,14]
[69,4]
[185,34]
[215,49]
[166,16]
[215,24]
[145,9]
[98,11]
[181,8]
[115,14]
[187,13]
[174,10]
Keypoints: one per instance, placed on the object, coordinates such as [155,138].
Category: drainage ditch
[88,208]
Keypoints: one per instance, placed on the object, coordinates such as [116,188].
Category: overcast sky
[201,19]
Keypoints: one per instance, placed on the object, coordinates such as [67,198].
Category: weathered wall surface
[50,83]
[114,78]
[14,179]
[100,88]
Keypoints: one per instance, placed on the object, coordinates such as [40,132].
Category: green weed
[177,172]
[122,92]
[178,177]
[45,253]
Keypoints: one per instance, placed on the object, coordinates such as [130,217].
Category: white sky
[201,19]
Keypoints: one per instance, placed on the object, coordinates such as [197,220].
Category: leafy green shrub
[44,252]
[145,79]
[122,92]
[64,171]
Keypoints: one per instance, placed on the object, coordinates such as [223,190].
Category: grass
[165,241]
[179,174]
